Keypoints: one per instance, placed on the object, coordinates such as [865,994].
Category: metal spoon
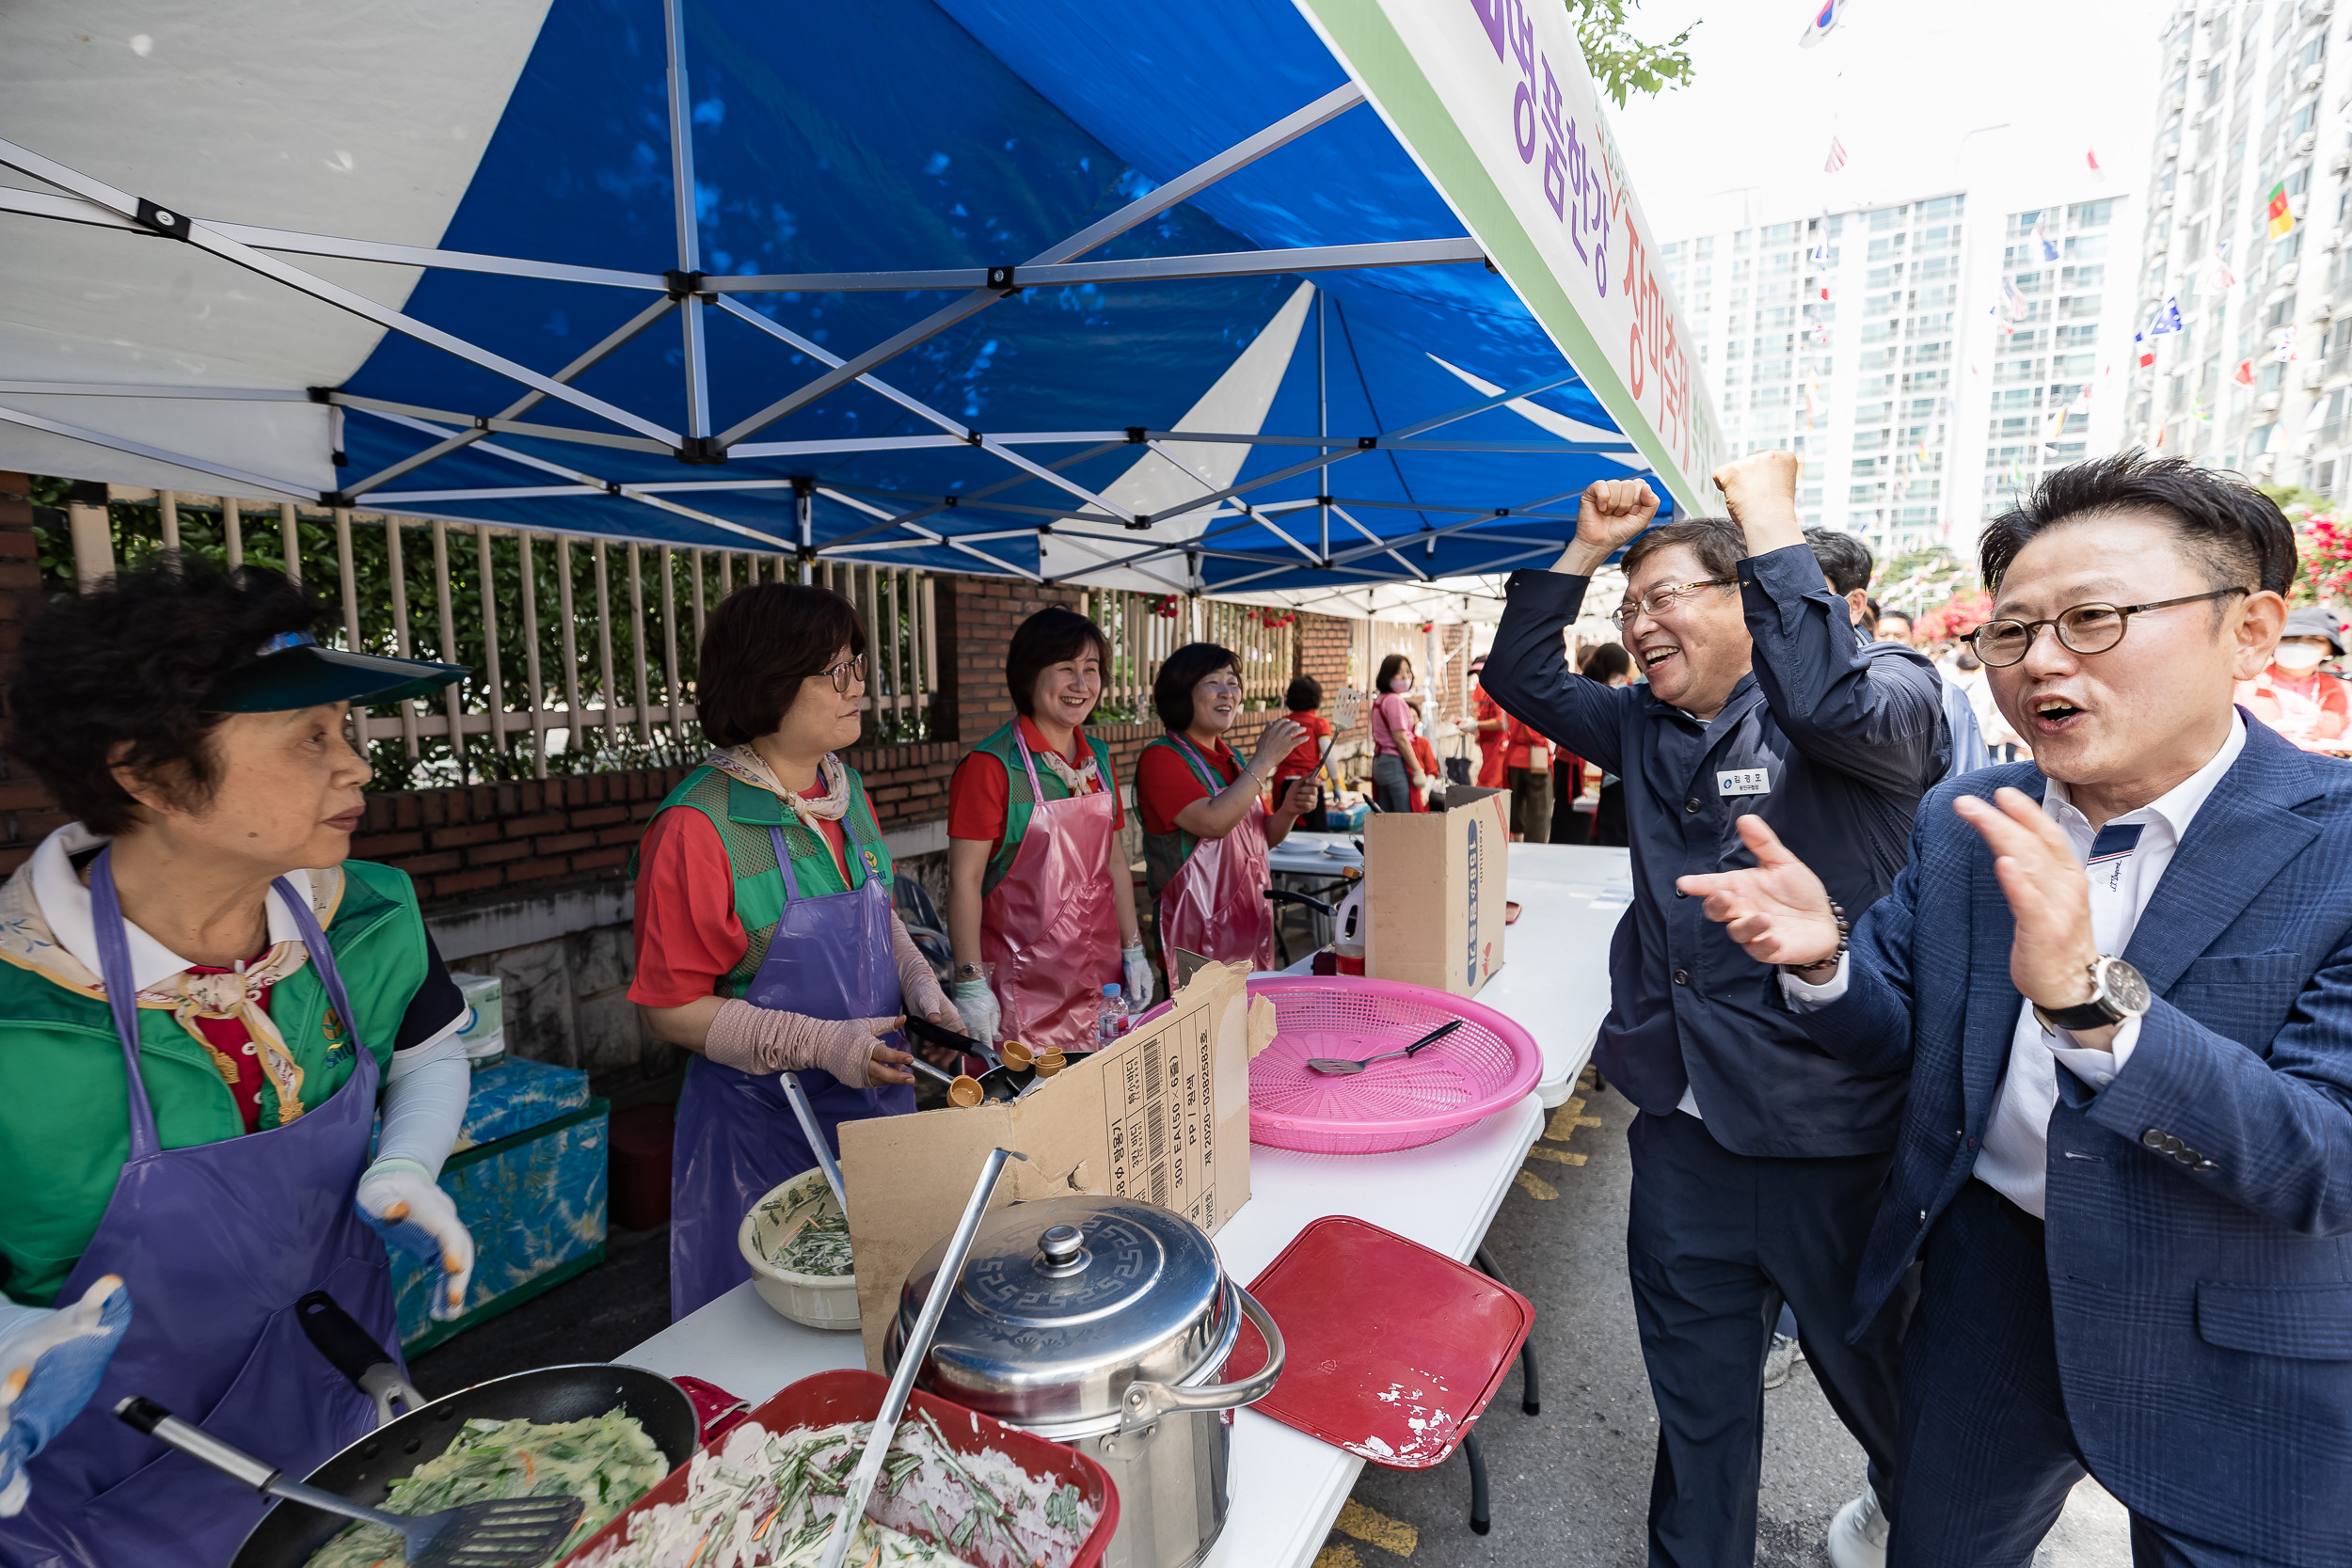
[1340,1067]
[962,1089]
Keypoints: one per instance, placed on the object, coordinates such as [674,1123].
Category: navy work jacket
[1831,743]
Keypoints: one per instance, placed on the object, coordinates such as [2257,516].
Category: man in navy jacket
[2121,977]
[1758,1157]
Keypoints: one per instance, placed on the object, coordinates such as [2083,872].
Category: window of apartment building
[1891,245]
[1942,207]
[2093,277]
[1740,239]
[2092,247]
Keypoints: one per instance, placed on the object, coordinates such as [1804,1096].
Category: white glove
[1136,971]
[977,1004]
[49,1364]
[411,1211]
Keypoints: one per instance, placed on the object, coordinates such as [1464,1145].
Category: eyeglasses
[1660,600]
[2084,628]
[844,673]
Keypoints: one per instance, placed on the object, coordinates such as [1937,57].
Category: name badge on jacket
[1743,781]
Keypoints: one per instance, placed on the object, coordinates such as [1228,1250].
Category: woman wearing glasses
[766,941]
[1206,828]
[1040,906]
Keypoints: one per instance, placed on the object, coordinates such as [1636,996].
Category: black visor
[291,670]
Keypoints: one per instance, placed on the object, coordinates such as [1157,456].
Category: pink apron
[1048,926]
[1215,904]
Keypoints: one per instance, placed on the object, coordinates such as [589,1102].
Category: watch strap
[2093,1014]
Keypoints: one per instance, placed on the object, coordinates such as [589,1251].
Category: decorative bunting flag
[2018,309]
[2282,215]
[1825,22]
[2090,156]
[2245,376]
[2143,350]
[2049,246]
[2058,425]
[1837,156]
[2283,348]
[2217,274]
[2167,318]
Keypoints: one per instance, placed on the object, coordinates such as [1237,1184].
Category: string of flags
[2049,246]
[1836,155]
[2280,212]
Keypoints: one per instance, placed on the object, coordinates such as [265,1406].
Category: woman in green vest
[206,1008]
[766,941]
[1040,909]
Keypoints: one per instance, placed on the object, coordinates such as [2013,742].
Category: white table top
[1285,1486]
[1304,854]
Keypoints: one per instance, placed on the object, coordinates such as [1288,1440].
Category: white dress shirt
[65,903]
[2131,852]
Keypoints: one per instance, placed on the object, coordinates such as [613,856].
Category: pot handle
[353,1352]
[1145,1402]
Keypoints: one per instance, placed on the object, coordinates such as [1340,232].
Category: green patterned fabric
[742,814]
[1021,800]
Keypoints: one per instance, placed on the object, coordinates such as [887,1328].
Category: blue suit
[2196,1328]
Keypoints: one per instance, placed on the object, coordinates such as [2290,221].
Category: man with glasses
[1758,1158]
[2120,979]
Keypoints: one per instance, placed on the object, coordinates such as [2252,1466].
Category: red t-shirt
[1523,741]
[1429,755]
[979,795]
[1493,745]
[688,936]
[1300,763]
[1166,785]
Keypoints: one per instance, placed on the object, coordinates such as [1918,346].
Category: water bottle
[1113,1018]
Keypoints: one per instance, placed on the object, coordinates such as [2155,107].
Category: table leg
[1530,1388]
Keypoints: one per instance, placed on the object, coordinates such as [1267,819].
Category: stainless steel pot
[1103,1323]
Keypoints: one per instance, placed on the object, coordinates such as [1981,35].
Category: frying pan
[364,1472]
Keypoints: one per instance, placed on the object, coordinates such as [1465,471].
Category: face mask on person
[1402,684]
[2299,656]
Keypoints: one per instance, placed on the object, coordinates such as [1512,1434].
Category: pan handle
[1147,1402]
[353,1352]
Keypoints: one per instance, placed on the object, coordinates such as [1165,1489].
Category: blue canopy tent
[1129,292]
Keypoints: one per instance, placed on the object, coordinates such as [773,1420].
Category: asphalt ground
[1570,1487]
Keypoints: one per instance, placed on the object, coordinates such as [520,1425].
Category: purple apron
[736,1136]
[217,1241]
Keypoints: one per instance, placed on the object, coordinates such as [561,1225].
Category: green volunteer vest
[1165,854]
[64,1133]
[1021,800]
[742,813]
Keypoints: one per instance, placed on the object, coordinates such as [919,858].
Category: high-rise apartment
[2244,241]
[1918,354]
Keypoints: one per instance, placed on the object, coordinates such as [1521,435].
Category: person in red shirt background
[2294,695]
[1527,763]
[1493,727]
[1206,830]
[1038,889]
[1305,760]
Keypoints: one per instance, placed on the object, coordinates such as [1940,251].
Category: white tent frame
[691,293]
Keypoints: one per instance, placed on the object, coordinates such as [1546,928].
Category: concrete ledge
[518,919]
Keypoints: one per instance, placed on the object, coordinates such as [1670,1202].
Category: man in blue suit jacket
[2121,977]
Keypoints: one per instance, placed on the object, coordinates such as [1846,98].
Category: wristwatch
[2118,992]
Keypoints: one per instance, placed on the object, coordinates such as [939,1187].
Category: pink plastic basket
[1489,1063]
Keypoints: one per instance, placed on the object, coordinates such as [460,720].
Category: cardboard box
[1435,890]
[1163,1115]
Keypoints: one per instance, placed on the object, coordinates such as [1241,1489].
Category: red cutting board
[1392,1350]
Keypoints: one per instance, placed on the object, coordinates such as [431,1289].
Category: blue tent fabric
[923,133]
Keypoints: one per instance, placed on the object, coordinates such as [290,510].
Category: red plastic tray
[830,1398]
[1393,1349]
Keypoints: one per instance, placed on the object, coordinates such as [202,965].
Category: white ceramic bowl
[818,1301]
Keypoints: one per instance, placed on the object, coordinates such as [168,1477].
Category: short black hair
[1044,640]
[1303,695]
[760,644]
[1717,542]
[1187,667]
[1903,615]
[2232,533]
[1844,559]
[126,665]
[1605,661]
[1873,609]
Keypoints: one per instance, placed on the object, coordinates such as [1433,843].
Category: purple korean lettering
[1555,159]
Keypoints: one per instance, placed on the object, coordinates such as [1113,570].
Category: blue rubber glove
[409,1208]
[49,1364]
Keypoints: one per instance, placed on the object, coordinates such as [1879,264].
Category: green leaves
[1621,63]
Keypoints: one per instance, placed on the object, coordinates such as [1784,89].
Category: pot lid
[1064,1303]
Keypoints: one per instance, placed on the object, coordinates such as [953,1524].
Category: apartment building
[1917,354]
[2244,247]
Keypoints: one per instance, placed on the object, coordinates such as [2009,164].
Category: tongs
[924,1030]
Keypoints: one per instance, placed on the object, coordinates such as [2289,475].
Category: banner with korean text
[1492,99]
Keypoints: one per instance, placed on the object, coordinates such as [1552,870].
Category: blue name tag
[2116,841]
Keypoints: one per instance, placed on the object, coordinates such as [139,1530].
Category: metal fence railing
[1144,628]
[581,650]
